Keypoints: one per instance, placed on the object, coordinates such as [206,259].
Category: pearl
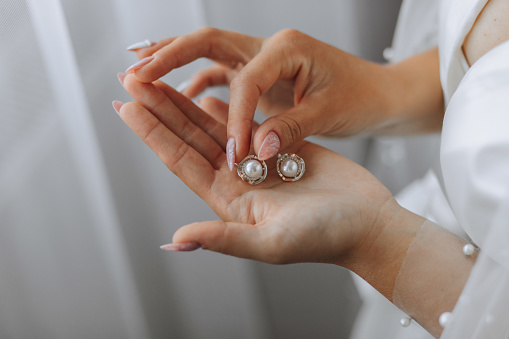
[405,321]
[468,249]
[253,169]
[289,168]
[444,318]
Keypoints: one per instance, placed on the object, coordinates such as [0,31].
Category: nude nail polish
[181,247]
[121,77]
[269,147]
[141,44]
[230,153]
[117,105]
[139,64]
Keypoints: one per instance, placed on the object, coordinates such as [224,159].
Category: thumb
[237,239]
[283,130]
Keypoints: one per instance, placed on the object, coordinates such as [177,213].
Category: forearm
[413,96]
[417,265]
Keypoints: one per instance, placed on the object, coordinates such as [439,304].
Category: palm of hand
[318,218]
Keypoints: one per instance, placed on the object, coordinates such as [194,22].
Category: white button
[444,318]
[388,53]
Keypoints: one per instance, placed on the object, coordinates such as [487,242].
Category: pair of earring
[289,166]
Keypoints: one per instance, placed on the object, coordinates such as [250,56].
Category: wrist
[379,256]
[414,102]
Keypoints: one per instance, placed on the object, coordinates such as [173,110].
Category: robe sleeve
[475,143]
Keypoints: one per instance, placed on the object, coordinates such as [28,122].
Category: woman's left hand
[332,214]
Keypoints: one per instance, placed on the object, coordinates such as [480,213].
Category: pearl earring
[290,167]
[252,170]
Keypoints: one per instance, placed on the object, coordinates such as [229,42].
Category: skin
[491,29]
[338,213]
[350,220]
[306,86]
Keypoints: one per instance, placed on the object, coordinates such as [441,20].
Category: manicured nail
[182,247]
[230,153]
[117,105]
[269,147]
[141,44]
[139,64]
[121,77]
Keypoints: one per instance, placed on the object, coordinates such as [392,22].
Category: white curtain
[84,205]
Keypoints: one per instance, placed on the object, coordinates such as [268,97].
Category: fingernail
[121,77]
[230,153]
[117,105]
[139,64]
[269,147]
[141,44]
[182,247]
[199,102]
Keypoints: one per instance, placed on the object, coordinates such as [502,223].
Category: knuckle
[239,81]
[150,129]
[289,34]
[292,130]
[290,44]
[208,31]
[173,160]
[245,85]
[187,130]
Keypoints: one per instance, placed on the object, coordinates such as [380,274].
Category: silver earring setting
[290,167]
[252,170]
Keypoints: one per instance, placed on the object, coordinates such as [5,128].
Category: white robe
[475,167]
[468,191]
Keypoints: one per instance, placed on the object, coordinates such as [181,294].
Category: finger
[154,100]
[217,109]
[274,62]
[180,158]
[222,46]
[148,51]
[213,127]
[217,75]
[253,80]
[281,131]
[237,239]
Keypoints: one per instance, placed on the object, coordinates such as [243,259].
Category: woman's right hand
[306,86]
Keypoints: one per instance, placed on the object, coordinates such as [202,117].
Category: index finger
[226,47]
[256,78]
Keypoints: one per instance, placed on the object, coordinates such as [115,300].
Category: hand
[332,214]
[307,86]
